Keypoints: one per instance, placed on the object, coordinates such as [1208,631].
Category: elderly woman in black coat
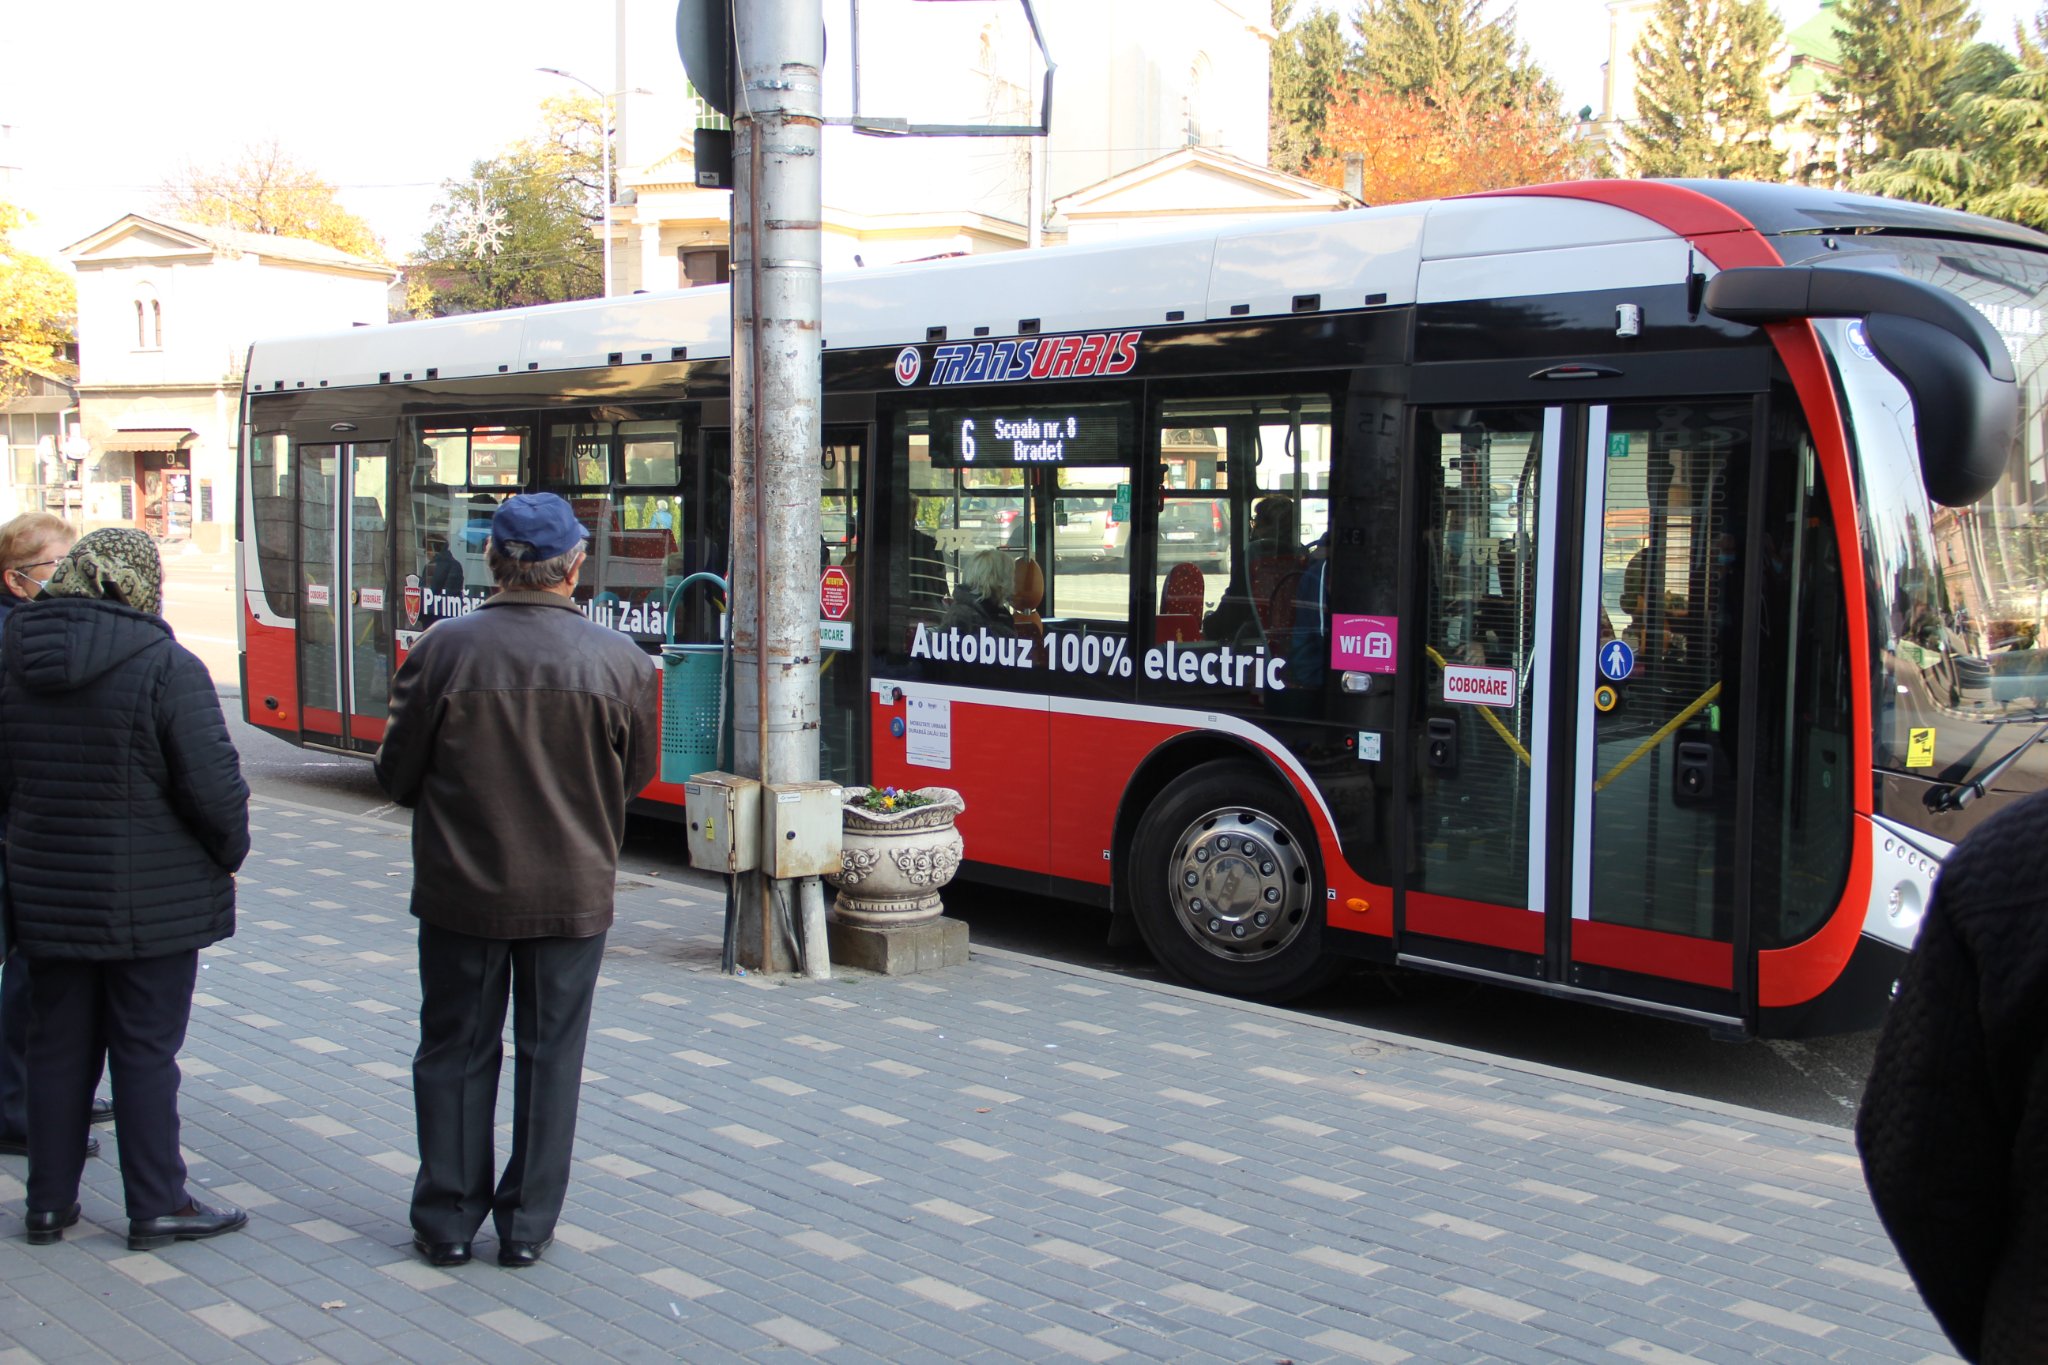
[126,818]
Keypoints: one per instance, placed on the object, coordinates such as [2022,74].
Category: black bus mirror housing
[1953,364]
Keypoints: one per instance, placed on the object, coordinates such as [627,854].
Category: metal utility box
[724,811]
[804,828]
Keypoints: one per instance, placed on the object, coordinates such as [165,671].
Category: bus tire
[1225,889]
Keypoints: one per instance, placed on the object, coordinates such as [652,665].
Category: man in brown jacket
[517,733]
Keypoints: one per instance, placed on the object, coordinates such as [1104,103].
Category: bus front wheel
[1224,888]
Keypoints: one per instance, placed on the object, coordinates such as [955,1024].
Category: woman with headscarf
[127,816]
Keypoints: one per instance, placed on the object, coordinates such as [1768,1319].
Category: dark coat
[517,733]
[126,810]
[1954,1124]
[969,611]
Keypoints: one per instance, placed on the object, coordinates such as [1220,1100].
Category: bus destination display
[1014,437]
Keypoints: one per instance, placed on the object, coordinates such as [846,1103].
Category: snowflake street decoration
[479,225]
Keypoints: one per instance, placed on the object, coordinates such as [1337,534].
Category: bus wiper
[1957,795]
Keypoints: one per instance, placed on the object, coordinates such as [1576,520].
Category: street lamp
[606,111]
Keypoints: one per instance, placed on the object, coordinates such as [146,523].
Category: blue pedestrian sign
[1617,660]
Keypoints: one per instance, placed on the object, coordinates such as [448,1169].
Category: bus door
[842,680]
[344,582]
[1574,799]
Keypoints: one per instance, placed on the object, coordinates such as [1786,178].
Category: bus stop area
[1011,1159]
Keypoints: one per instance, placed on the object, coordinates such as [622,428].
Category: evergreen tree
[1897,55]
[1703,91]
[1414,47]
[1307,67]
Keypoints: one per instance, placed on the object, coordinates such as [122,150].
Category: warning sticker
[1920,748]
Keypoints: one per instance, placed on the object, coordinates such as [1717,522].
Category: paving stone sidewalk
[1008,1160]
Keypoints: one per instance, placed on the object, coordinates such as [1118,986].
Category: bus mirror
[1953,364]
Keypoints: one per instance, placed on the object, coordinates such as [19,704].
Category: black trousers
[126,1017]
[464,985]
[14,1017]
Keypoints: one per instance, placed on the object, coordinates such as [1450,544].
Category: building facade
[166,313]
[1136,81]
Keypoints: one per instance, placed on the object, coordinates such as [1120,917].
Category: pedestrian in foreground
[516,734]
[1954,1124]
[127,816]
[30,547]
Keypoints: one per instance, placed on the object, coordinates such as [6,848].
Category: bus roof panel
[1342,257]
[1067,289]
[1503,224]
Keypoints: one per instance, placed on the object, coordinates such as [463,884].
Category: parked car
[1195,531]
[1086,532]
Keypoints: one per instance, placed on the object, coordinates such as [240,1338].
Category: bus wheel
[1224,889]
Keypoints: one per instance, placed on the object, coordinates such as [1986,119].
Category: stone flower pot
[894,861]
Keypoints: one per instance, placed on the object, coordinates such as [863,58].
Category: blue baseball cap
[543,522]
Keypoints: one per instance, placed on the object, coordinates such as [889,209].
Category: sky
[101,101]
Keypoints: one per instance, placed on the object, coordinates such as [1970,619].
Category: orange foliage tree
[1440,142]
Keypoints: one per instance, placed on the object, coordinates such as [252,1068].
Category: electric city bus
[1625,591]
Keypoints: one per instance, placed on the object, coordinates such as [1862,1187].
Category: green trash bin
[694,727]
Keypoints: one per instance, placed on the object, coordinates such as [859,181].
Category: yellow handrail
[1663,734]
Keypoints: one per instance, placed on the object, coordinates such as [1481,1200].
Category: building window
[149,320]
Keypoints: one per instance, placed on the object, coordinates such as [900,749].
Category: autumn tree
[38,307]
[1417,47]
[1442,141]
[265,190]
[1307,69]
[1703,91]
[521,229]
[1897,55]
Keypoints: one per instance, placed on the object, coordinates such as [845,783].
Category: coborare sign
[1080,355]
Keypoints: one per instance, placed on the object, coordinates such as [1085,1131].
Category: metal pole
[776,419]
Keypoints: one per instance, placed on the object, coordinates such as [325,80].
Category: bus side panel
[1497,926]
[1094,757]
[998,767]
[272,659]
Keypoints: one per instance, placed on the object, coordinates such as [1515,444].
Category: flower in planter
[891,799]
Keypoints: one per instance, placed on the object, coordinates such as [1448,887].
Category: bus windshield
[1959,595]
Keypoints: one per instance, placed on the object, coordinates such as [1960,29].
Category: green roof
[1819,38]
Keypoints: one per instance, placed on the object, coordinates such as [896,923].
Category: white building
[166,312]
[1136,80]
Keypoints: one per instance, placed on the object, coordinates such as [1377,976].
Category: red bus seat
[1180,606]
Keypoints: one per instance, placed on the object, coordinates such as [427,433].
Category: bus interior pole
[776,405]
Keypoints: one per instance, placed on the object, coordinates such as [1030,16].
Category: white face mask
[25,575]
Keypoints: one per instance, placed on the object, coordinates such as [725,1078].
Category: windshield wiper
[1957,795]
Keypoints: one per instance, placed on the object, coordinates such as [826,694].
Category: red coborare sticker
[1472,685]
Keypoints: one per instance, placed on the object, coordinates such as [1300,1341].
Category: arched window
[149,319]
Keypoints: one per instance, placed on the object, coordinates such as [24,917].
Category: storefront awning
[164,439]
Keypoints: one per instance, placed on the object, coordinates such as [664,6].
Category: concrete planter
[894,862]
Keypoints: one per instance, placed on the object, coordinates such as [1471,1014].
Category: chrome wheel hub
[1239,883]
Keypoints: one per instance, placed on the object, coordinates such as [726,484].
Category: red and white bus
[1626,591]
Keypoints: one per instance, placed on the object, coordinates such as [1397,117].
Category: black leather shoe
[18,1146]
[102,1110]
[441,1253]
[189,1224]
[520,1255]
[45,1228]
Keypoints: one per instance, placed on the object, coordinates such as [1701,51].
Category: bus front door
[343,581]
[1575,776]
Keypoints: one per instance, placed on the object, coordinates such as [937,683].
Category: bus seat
[1180,606]
[1272,590]
[1027,592]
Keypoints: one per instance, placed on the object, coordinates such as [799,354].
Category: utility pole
[777,370]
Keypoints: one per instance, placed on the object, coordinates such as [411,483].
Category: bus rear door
[344,584]
[1573,819]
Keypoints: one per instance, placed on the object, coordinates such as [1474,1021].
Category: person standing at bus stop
[127,819]
[516,734]
[31,545]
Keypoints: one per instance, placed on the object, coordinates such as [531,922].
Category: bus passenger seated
[981,599]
